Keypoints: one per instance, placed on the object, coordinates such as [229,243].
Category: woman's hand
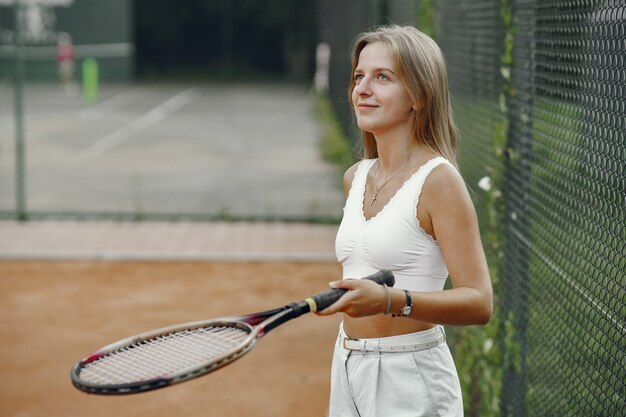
[364,298]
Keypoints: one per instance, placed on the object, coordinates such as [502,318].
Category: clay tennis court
[55,312]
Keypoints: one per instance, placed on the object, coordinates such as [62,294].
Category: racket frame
[254,324]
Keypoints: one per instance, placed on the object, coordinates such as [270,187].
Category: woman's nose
[363,87]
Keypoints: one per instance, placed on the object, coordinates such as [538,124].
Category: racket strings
[163,356]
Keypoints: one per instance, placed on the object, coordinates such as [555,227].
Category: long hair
[421,67]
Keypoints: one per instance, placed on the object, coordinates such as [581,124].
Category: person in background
[65,59]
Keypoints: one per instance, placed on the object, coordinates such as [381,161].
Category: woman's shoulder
[434,167]
[444,184]
[443,173]
[348,176]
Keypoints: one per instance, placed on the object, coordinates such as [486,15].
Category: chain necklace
[389,179]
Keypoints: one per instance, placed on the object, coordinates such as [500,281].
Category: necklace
[389,179]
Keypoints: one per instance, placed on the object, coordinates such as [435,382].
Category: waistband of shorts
[410,342]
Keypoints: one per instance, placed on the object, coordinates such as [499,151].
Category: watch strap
[406,308]
[408,298]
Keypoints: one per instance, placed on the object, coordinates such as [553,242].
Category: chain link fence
[566,209]
[539,97]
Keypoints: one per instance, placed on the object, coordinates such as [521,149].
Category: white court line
[154,116]
[105,106]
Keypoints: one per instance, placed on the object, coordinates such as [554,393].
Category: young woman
[407,210]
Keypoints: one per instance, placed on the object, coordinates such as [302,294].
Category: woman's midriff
[381,326]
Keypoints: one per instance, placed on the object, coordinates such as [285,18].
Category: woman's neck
[394,151]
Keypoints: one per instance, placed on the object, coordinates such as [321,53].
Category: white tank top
[393,239]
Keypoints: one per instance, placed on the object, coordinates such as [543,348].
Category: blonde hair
[421,67]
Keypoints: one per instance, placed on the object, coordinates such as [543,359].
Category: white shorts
[377,384]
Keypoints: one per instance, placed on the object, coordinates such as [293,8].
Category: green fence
[539,93]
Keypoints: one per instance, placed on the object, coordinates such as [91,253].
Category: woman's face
[380,99]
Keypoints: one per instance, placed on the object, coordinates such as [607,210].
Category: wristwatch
[406,310]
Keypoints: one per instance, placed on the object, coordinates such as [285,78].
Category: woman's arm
[447,213]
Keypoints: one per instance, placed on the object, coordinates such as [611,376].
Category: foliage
[336,146]
[426,17]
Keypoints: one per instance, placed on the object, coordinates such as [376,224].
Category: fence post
[520,103]
[20,157]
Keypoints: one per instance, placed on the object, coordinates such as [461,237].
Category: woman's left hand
[364,298]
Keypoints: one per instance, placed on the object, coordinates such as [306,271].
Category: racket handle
[326,298]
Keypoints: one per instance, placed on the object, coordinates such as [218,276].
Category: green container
[90,80]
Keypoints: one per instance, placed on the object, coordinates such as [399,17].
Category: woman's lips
[366,106]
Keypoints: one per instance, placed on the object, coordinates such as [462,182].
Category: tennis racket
[175,354]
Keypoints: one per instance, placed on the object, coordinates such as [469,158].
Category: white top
[393,239]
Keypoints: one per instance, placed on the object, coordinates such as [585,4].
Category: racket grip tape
[326,298]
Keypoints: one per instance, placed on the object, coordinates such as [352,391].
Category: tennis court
[174,150]
[207,151]
[170,151]
[58,311]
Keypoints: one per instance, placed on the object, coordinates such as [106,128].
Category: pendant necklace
[389,179]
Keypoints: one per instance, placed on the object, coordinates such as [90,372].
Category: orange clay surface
[56,312]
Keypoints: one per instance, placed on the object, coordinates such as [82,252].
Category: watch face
[406,310]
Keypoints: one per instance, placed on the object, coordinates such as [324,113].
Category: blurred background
[237,110]
[139,109]
[134,40]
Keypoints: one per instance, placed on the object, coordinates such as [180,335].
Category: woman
[407,210]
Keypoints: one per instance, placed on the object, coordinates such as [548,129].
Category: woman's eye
[358,77]
[383,77]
